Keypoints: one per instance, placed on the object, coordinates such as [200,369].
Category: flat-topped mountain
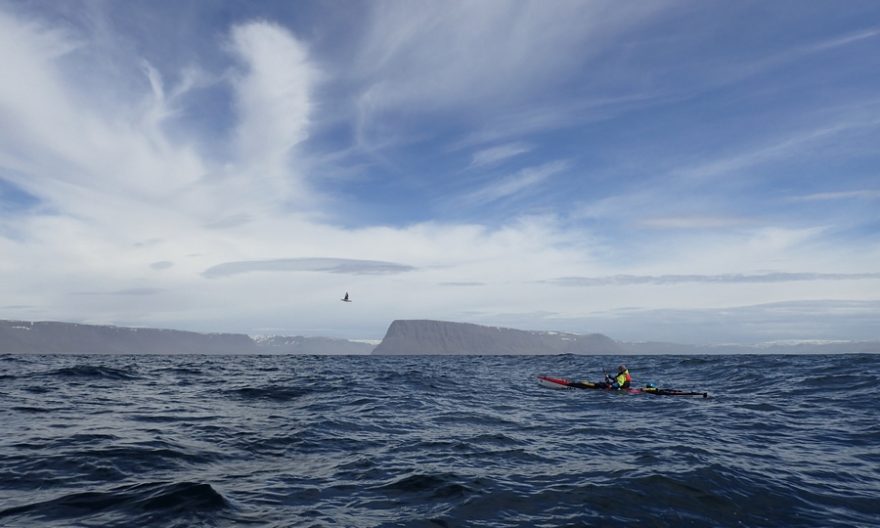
[48,337]
[422,337]
[425,337]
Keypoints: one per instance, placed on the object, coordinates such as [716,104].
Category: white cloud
[326,265]
[524,179]
[274,103]
[743,323]
[728,278]
[775,149]
[129,291]
[737,70]
[63,147]
[843,40]
[862,194]
[694,222]
[487,57]
[498,154]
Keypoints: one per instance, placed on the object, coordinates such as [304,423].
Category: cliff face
[21,337]
[420,337]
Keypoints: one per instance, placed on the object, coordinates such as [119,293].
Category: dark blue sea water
[782,441]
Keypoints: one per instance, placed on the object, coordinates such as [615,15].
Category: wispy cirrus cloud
[726,278]
[487,58]
[498,154]
[326,265]
[863,194]
[739,70]
[843,40]
[798,320]
[517,183]
[775,149]
[694,222]
[125,292]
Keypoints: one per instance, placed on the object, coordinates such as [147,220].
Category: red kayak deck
[552,382]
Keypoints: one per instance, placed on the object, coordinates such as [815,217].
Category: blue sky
[673,170]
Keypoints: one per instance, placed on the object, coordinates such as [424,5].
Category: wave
[153,455]
[187,371]
[14,358]
[34,410]
[131,505]
[170,418]
[418,379]
[278,393]
[707,496]
[93,372]
[100,460]
[435,485]
[39,389]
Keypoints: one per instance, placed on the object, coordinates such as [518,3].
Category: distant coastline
[51,337]
[403,337]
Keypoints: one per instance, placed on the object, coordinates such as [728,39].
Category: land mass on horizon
[403,337]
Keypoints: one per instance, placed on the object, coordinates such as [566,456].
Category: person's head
[621,369]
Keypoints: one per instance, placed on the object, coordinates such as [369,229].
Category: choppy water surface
[788,441]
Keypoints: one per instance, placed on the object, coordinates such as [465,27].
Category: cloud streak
[273,91]
[694,222]
[727,278]
[794,144]
[325,265]
[863,194]
[525,179]
[490,59]
[125,292]
[497,154]
[795,320]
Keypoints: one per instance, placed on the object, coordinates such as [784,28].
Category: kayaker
[622,380]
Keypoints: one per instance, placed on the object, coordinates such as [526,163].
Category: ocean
[437,441]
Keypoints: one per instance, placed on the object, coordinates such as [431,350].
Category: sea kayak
[561,383]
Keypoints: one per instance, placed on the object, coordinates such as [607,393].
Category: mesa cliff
[50,337]
[424,337]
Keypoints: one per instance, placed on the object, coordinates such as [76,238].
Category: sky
[687,171]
